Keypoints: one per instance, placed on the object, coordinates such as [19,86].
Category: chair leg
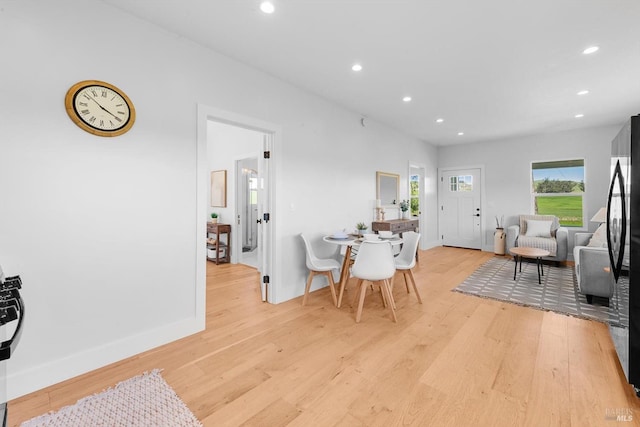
[343,286]
[363,293]
[332,286]
[406,282]
[382,295]
[306,289]
[415,288]
[390,285]
[357,292]
[384,287]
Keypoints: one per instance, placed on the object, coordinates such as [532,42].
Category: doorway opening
[230,142]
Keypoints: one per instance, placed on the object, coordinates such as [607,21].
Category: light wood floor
[456,360]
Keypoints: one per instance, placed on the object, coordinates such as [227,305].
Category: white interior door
[264,219]
[460,215]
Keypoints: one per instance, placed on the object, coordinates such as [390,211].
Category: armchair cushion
[537,228]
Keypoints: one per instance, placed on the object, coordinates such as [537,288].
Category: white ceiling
[491,68]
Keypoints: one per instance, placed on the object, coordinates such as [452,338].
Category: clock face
[100,108]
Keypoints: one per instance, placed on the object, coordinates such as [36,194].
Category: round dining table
[349,242]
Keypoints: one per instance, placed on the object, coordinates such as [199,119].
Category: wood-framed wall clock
[100,108]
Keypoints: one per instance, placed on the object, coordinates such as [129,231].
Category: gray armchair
[557,243]
[590,263]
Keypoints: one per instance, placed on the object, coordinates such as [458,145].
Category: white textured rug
[145,400]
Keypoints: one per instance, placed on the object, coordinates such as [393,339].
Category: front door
[460,215]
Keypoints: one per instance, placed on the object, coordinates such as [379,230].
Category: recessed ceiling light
[267,7]
[590,50]
[407,99]
[356,67]
[583,92]
[579,116]
[460,133]
[439,120]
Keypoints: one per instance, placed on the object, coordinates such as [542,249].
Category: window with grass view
[414,197]
[558,189]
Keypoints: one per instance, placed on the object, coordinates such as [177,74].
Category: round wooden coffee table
[524,252]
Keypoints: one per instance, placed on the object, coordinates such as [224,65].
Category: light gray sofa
[590,263]
[558,239]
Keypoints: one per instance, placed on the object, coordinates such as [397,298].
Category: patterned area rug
[145,400]
[558,291]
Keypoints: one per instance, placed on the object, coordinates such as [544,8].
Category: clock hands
[102,108]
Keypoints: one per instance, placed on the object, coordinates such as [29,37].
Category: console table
[395,225]
[219,247]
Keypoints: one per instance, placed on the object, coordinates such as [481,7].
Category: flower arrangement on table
[404,205]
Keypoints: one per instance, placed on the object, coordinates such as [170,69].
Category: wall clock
[100,108]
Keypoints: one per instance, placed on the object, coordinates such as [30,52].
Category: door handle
[259,221]
[477,215]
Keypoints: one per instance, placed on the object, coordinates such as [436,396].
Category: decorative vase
[405,214]
[499,238]
[214,220]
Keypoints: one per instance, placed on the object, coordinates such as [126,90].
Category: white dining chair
[319,266]
[374,263]
[406,260]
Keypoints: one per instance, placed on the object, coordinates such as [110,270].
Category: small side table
[524,252]
[218,246]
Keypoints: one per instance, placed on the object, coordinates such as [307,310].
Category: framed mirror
[387,189]
[219,188]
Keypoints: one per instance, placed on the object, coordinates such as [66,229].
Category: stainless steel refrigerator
[623,238]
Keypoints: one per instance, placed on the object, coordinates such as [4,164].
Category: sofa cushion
[537,228]
[599,238]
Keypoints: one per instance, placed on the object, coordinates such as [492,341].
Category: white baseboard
[431,244]
[39,377]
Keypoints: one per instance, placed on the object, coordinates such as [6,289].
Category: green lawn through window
[567,208]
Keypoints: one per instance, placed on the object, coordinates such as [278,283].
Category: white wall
[507,166]
[103,230]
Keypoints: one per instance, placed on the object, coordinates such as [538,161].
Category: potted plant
[214,218]
[361,227]
[404,207]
